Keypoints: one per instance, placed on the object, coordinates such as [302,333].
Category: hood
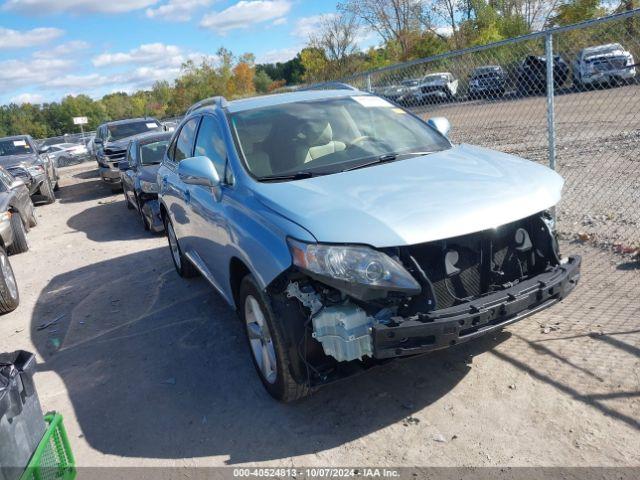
[121,144]
[149,173]
[462,190]
[13,160]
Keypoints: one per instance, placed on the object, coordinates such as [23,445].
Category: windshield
[328,136]
[19,146]
[124,130]
[151,153]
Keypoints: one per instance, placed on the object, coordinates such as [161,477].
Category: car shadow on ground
[118,223]
[84,191]
[157,367]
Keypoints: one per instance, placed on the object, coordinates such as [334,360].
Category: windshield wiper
[387,157]
[289,176]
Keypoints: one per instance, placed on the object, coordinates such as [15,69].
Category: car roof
[130,120]
[251,103]
[150,136]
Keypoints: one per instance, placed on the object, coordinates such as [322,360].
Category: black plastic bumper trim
[450,326]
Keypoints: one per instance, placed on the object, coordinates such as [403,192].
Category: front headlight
[148,187]
[353,264]
[36,169]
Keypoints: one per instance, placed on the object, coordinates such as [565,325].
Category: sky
[53,48]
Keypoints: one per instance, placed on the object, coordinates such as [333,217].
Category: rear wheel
[20,243]
[9,296]
[268,348]
[183,266]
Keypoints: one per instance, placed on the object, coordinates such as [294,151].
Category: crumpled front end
[468,286]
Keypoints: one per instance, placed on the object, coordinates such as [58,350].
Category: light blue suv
[346,231]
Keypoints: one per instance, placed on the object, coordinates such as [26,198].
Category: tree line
[406,29]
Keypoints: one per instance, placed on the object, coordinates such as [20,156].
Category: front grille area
[114,155]
[609,63]
[466,267]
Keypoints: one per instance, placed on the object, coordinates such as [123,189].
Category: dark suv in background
[20,156]
[112,140]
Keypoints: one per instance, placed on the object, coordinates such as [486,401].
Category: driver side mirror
[198,171]
[440,124]
[43,149]
[123,165]
[97,141]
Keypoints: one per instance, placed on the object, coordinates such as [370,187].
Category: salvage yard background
[150,369]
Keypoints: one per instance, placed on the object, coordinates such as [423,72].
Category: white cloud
[245,14]
[27,38]
[16,74]
[306,26]
[62,50]
[280,55]
[80,82]
[76,6]
[33,98]
[151,53]
[177,10]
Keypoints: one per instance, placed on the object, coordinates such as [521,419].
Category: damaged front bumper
[454,325]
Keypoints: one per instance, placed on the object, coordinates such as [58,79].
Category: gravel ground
[153,370]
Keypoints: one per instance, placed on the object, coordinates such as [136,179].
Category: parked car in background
[9,296]
[603,65]
[347,231]
[531,75]
[111,143]
[487,81]
[20,157]
[17,214]
[395,93]
[139,172]
[434,87]
[64,154]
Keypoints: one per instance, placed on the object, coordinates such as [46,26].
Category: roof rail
[219,101]
[331,86]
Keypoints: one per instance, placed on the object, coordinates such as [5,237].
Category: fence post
[369,89]
[551,113]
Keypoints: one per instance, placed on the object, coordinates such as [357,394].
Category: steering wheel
[360,139]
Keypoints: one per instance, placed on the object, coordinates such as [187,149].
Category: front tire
[182,264]
[46,190]
[20,243]
[266,343]
[9,296]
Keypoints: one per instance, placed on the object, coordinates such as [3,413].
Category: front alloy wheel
[269,351]
[183,266]
[260,340]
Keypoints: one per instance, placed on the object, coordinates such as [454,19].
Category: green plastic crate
[53,459]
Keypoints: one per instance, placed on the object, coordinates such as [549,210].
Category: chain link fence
[568,98]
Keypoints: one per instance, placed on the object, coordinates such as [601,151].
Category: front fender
[258,237]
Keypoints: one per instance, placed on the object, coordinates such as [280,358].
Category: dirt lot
[149,369]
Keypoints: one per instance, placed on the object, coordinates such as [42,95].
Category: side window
[184,144]
[210,143]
